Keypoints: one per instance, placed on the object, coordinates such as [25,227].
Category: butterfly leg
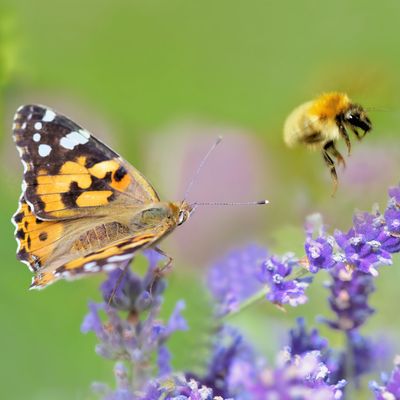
[159,272]
[168,263]
[120,278]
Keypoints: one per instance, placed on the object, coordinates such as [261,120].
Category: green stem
[248,302]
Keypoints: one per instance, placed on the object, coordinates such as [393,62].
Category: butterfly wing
[116,255]
[68,173]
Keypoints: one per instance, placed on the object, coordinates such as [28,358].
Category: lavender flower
[390,390]
[302,377]
[319,253]
[229,347]
[244,272]
[275,272]
[129,329]
[134,339]
[350,291]
[235,371]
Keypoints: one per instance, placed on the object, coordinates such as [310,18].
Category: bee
[320,123]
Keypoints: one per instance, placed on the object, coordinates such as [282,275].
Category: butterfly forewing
[68,172]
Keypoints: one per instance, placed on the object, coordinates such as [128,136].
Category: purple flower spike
[274,273]
[350,291]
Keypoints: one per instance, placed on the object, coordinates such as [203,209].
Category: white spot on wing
[91,267]
[109,267]
[73,139]
[44,150]
[122,257]
[38,126]
[36,137]
[23,125]
[49,116]
[84,133]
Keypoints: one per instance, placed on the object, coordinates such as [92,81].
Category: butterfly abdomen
[100,236]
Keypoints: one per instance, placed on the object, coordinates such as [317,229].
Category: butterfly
[83,208]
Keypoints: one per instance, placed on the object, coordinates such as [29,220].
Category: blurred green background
[159,80]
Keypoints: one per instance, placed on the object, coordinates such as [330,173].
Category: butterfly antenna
[225,203]
[200,167]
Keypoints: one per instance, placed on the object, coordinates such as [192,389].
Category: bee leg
[357,134]
[331,148]
[331,165]
[345,136]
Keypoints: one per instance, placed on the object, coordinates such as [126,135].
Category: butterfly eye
[182,217]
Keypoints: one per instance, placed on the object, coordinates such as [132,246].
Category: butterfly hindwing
[116,255]
[36,238]
[68,173]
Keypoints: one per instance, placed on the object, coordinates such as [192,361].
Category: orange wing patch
[76,186]
[36,238]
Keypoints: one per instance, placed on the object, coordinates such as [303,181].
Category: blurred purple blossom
[390,388]
[301,341]
[234,277]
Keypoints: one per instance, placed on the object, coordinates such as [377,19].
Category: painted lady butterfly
[83,208]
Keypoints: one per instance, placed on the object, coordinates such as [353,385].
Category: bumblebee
[320,123]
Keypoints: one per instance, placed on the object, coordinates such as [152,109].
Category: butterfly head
[185,209]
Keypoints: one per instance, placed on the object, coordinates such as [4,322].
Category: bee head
[357,117]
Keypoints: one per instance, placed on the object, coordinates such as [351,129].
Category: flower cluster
[129,330]
[236,372]
[134,339]
[243,272]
